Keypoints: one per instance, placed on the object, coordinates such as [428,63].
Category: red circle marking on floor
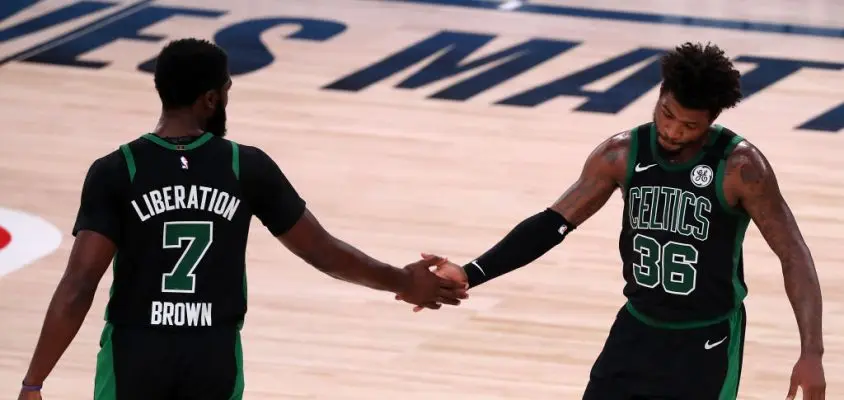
[5,237]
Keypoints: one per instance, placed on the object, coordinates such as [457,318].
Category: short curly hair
[187,68]
[701,77]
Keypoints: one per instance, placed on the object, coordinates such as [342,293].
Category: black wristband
[529,240]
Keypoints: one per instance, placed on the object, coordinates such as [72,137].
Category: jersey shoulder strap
[720,150]
[724,144]
[235,159]
[639,139]
[129,157]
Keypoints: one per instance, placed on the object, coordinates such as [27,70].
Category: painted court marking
[24,238]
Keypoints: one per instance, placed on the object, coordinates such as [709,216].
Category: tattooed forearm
[759,194]
[602,172]
[801,286]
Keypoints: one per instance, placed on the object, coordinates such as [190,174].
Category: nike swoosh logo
[709,346]
[640,168]
[475,263]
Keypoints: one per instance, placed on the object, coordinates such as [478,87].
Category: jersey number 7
[195,238]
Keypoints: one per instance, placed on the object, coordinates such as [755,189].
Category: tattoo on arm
[759,194]
[603,171]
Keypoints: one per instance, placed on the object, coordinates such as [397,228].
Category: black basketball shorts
[642,361]
[145,364]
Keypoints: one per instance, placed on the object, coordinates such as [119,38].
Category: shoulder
[748,173]
[614,148]
[747,164]
[610,157]
[247,152]
[109,165]
[257,165]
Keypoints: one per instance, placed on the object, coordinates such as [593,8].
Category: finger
[451,284]
[449,300]
[440,260]
[792,389]
[426,263]
[791,394]
[454,294]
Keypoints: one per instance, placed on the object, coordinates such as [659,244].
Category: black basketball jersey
[180,216]
[681,243]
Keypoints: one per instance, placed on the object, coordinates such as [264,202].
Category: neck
[687,152]
[178,123]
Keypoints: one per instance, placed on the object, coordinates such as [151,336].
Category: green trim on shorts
[239,382]
[729,391]
[676,325]
[105,385]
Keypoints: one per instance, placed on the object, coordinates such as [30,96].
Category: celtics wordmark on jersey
[681,243]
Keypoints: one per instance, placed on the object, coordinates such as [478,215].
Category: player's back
[681,243]
[181,258]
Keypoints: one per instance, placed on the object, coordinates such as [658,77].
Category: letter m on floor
[447,52]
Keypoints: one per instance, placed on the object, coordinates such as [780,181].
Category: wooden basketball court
[446,163]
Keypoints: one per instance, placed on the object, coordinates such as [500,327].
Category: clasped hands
[446,285]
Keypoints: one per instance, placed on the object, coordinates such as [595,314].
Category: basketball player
[690,189]
[172,209]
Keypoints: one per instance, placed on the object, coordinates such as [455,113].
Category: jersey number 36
[672,265]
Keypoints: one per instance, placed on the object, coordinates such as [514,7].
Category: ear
[714,116]
[210,99]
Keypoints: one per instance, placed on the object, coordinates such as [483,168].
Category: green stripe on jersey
[130,161]
[236,160]
[719,178]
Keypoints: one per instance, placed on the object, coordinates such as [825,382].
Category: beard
[217,122]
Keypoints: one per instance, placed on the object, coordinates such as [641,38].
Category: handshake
[447,284]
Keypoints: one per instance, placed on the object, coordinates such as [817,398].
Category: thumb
[792,387]
[438,259]
[429,262]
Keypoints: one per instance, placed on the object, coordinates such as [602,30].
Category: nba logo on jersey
[184,162]
[702,176]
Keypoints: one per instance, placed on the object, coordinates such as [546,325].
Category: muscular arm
[750,183]
[277,204]
[89,259]
[97,229]
[336,258]
[602,173]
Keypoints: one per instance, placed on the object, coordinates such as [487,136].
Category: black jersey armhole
[726,143]
[632,155]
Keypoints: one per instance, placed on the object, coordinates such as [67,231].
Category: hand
[445,269]
[808,375]
[425,289]
[29,395]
